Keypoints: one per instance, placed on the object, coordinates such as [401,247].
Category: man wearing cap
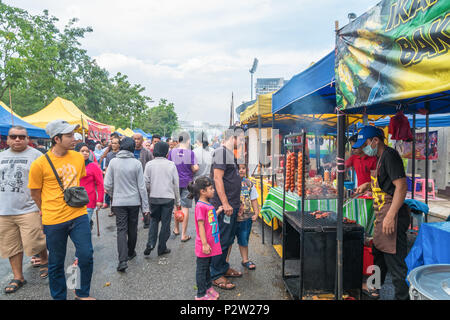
[58,218]
[20,222]
[388,186]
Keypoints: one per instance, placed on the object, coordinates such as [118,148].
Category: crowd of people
[53,196]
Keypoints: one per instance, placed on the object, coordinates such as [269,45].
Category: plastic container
[430,282]
[367,260]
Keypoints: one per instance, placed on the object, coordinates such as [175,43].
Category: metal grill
[310,221]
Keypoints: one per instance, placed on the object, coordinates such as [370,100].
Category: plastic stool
[424,188]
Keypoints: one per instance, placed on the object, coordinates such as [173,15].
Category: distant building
[267,85]
[196,127]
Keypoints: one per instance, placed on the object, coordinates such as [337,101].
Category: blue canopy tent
[435,120]
[244,106]
[376,73]
[7,121]
[145,135]
[309,92]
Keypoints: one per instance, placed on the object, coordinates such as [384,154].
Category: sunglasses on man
[14,137]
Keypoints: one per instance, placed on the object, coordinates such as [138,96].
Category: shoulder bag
[76,197]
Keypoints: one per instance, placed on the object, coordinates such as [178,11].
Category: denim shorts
[185,202]
[243,229]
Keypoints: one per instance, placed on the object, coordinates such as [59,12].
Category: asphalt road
[169,277]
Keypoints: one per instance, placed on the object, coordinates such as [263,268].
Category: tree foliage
[161,120]
[39,62]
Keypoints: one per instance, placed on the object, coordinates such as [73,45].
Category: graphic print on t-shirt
[214,225]
[67,173]
[12,175]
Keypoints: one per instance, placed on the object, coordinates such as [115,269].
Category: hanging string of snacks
[299,174]
[290,172]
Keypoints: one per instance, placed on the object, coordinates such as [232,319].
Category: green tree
[39,62]
[161,120]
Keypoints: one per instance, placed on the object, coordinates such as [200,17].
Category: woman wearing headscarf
[124,181]
[92,182]
[98,151]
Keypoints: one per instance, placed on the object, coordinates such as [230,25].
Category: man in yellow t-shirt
[59,219]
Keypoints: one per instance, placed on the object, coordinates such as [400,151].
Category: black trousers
[203,276]
[127,225]
[395,263]
[160,213]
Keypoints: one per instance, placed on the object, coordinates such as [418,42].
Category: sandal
[87,298]
[15,285]
[176,234]
[35,261]
[43,271]
[231,273]
[373,294]
[223,284]
[249,265]
[187,239]
[111,214]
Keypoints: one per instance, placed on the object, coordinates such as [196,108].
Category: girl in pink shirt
[207,242]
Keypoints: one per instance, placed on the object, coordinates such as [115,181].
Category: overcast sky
[196,52]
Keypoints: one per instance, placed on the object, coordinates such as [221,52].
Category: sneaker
[122,266]
[205,297]
[132,256]
[213,293]
[147,251]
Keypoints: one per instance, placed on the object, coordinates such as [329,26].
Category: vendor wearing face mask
[388,186]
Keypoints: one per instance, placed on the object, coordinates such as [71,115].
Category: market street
[149,278]
[169,277]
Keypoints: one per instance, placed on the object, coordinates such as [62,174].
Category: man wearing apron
[388,186]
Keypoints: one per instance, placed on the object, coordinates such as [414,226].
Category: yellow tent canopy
[127,132]
[262,106]
[61,109]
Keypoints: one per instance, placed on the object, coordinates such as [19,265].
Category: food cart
[377,74]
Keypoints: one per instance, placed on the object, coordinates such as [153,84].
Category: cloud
[195,53]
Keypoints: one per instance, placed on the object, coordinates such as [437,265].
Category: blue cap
[367,132]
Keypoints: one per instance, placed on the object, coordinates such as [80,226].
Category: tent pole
[11,107]
[427,130]
[261,173]
[316,141]
[340,184]
[273,162]
[283,230]
[302,229]
[413,168]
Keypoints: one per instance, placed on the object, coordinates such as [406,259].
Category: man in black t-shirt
[392,215]
[227,183]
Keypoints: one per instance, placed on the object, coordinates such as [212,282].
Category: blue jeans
[56,235]
[90,212]
[219,264]
[243,230]
[203,276]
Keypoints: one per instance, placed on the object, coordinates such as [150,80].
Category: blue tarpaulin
[431,246]
[6,124]
[309,92]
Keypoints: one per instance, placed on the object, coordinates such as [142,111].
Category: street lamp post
[252,71]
